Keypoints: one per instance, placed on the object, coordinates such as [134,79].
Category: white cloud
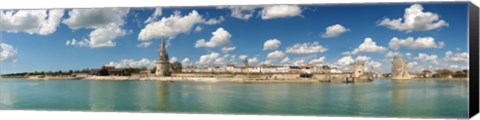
[414,19]
[267,62]
[95,17]
[228,49]
[173,59]
[422,57]
[299,62]
[306,48]
[144,44]
[131,63]
[367,46]
[105,36]
[153,17]
[391,54]
[209,58]
[318,60]
[280,11]
[419,43]
[186,62]
[252,60]
[285,60]
[275,55]
[215,21]
[242,57]
[431,62]
[221,60]
[271,44]
[373,64]
[362,58]
[242,12]
[344,61]
[105,22]
[101,37]
[409,55]
[414,65]
[220,38]
[42,22]
[232,59]
[80,43]
[334,31]
[7,52]
[448,54]
[457,57]
[198,29]
[454,66]
[173,25]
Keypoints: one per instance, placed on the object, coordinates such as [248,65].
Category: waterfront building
[268,68]
[211,69]
[190,69]
[163,65]
[263,68]
[358,69]
[294,69]
[252,69]
[399,68]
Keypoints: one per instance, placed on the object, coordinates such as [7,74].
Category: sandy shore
[53,78]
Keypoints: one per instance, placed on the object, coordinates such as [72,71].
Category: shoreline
[199,79]
[217,79]
[244,79]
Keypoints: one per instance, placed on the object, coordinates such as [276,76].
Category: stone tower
[163,65]
[245,62]
[399,68]
[358,69]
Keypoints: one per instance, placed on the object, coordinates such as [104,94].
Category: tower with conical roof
[163,64]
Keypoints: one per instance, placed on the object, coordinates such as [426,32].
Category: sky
[430,36]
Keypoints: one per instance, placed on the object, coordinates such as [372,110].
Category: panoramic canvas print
[365,60]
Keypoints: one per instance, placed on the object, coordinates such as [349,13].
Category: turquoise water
[381,98]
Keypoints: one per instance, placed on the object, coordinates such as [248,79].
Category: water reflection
[7,95]
[378,98]
[162,95]
[399,96]
[102,97]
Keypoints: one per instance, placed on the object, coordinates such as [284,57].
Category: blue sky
[42,40]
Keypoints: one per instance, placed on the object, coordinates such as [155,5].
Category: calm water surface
[382,98]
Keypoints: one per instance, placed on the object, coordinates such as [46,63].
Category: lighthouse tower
[163,64]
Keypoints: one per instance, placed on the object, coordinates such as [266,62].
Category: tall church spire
[163,65]
[163,52]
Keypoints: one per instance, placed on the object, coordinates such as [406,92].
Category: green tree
[459,74]
[444,72]
[177,66]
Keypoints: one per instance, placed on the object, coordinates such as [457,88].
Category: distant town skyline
[429,35]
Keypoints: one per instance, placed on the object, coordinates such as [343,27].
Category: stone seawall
[335,77]
[228,77]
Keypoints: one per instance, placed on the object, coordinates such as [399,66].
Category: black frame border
[474,61]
